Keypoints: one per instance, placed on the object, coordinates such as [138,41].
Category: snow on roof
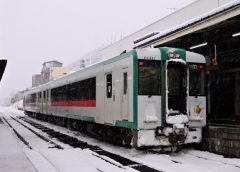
[189,23]
[52,61]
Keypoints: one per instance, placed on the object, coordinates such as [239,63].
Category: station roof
[191,24]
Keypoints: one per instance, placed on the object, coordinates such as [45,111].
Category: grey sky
[34,31]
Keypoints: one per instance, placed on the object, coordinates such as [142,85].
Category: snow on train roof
[188,23]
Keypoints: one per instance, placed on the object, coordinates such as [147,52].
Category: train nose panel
[150,114]
[177,119]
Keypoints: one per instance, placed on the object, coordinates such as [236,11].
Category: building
[51,70]
[37,80]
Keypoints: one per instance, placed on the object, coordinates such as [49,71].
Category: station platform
[12,156]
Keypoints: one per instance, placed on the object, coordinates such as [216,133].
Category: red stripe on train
[80,103]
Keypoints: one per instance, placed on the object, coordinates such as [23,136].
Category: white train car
[145,97]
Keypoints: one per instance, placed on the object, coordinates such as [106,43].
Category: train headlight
[177,56]
[171,55]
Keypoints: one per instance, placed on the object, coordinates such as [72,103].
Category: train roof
[195,57]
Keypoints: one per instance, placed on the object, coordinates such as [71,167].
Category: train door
[176,90]
[124,94]
[109,98]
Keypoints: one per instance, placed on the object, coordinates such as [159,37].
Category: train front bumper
[169,136]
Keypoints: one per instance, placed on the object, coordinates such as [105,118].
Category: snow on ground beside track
[11,110]
[54,160]
[183,161]
[72,160]
[39,161]
[187,160]
[81,160]
[214,157]
[12,158]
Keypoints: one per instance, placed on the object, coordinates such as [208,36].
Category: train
[149,97]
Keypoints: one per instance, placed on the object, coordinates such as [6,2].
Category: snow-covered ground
[45,158]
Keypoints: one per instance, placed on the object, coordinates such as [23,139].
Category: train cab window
[149,77]
[109,85]
[125,83]
[196,79]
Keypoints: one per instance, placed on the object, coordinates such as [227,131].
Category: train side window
[125,83]
[52,95]
[49,95]
[39,96]
[44,95]
[109,85]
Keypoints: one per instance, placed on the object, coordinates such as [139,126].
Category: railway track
[70,139]
[75,143]
[55,145]
[30,148]
[128,162]
[17,134]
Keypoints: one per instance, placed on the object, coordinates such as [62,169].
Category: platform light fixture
[236,34]
[199,45]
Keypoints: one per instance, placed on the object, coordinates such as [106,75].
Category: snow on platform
[12,157]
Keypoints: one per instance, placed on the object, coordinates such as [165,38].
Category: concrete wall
[222,140]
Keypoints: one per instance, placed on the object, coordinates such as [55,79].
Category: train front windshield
[149,77]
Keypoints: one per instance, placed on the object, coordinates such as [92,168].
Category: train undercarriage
[114,135]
